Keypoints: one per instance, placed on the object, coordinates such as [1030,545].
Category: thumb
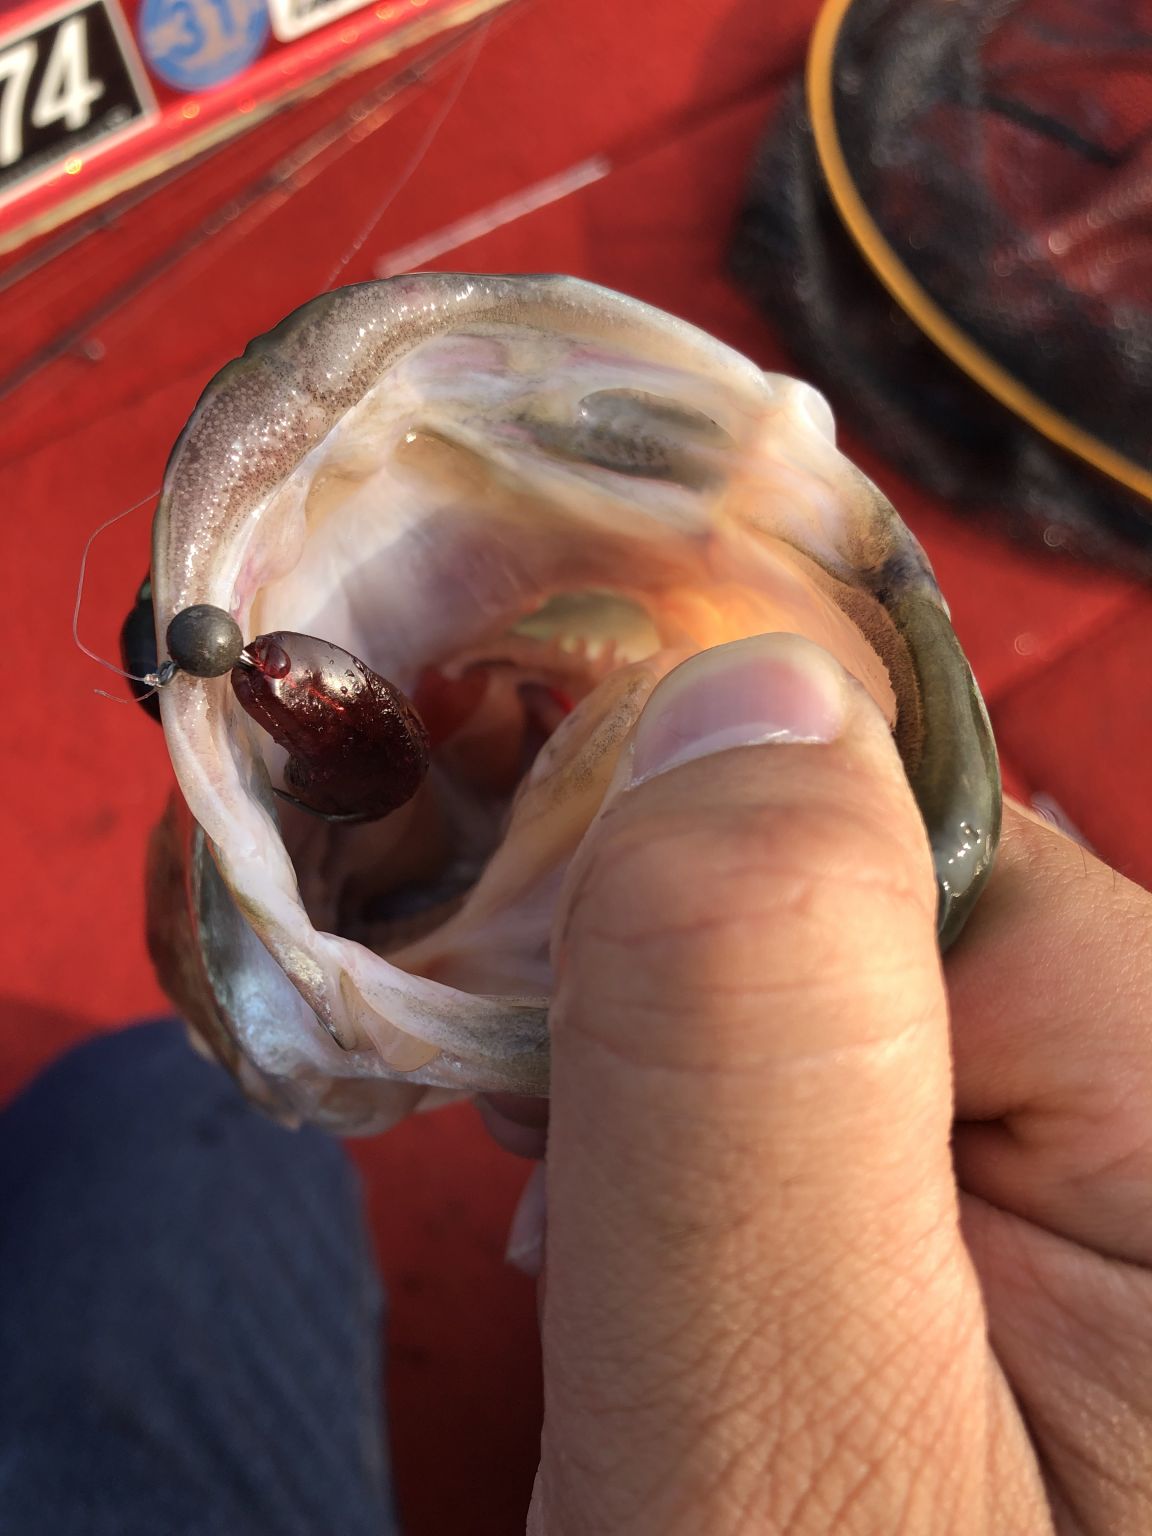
[755,1283]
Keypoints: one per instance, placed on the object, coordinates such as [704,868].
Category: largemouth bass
[501,508]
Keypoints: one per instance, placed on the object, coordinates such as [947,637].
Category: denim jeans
[190,1319]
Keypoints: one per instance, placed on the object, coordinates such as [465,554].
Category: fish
[507,506]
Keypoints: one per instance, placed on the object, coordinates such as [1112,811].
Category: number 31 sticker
[64,84]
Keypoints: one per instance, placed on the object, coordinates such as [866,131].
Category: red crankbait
[356,747]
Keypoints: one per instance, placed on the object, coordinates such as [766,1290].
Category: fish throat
[555,566]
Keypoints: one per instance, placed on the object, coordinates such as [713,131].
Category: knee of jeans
[144,1070]
[141,1103]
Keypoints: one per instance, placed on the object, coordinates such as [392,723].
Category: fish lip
[203,503]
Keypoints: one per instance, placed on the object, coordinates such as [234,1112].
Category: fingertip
[519,1125]
[525,1246]
[775,688]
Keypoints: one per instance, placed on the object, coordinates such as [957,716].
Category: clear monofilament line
[417,157]
[153,678]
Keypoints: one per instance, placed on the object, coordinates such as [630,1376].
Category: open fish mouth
[522,501]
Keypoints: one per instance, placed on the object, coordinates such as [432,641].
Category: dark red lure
[357,748]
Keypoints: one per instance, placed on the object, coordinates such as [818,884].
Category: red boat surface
[609,141]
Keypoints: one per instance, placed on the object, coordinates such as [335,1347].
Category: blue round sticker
[192,44]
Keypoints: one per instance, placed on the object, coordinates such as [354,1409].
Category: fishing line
[155,679]
[251,205]
[291,171]
[291,168]
[429,138]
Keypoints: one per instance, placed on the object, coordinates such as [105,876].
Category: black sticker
[63,84]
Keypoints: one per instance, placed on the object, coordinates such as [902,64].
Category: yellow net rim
[912,298]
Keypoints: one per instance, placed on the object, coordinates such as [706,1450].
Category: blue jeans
[190,1319]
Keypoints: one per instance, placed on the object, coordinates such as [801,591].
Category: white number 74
[16,66]
[65,94]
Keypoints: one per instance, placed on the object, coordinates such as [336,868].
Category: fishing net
[950,225]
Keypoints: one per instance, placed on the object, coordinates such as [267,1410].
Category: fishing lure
[357,749]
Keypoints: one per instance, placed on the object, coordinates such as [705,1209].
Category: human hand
[818,1260]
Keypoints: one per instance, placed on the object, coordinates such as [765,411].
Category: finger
[1071,1331]
[525,1248]
[519,1124]
[756,1287]
[1051,988]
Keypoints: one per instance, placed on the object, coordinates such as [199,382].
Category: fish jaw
[280,473]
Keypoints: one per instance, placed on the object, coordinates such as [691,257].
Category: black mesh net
[1004,150]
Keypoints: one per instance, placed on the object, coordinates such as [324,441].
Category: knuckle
[832,870]
[700,923]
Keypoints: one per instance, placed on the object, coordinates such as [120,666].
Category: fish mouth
[523,501]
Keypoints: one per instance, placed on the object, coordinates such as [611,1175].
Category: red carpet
[673,96]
